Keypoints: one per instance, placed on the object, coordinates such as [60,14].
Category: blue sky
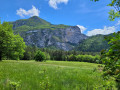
[91,17]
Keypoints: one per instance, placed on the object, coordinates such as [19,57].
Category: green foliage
[60,55]
[14,85]
[111,58]
[30,52]
[25,28]
[45,83]
[113,13]
[11,46]
[18,50]
[108,85]
[71,57]
[40,56]
[47,56]
[34,23]
[84,58]
[93,44]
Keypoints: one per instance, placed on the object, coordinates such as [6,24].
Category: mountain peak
[38,20]
[34,17]
[34,21]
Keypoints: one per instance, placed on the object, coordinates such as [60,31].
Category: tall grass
[53,75]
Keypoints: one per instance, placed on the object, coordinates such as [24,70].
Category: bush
[72,57]
[47,56]
[40,56]
[83,58]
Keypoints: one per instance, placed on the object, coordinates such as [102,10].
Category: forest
[92,64]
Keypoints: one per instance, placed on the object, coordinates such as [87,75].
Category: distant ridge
[38,32]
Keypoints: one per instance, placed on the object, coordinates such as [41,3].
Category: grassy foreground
[53,75]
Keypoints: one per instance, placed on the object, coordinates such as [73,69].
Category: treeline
[84,58]
[60,55]
[94,44]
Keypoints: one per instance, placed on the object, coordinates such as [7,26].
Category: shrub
[72,58]
[79,58]
[97,59]
[40,56]
[85,58]
[47,56]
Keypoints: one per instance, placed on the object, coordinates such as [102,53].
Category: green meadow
[49,75]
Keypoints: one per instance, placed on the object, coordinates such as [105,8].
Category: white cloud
[118,23]
[54,3]
[32,12]
[82,28]
[106,30]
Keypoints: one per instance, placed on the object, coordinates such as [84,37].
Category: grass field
[53,75]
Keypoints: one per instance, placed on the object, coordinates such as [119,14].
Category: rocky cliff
[48,35]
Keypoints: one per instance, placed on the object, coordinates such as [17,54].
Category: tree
[19,47]
[111,56]
[11,46]
[40,56]
[113,13]
[30,52]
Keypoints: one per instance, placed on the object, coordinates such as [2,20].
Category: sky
[90,17]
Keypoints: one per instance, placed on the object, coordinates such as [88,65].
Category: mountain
[38,32]
[33,23]
[93,44]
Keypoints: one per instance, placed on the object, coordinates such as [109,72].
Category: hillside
[93,44]
[43,34]
[40,33]
[34,23]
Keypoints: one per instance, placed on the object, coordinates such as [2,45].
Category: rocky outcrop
[65,39]
[41,33]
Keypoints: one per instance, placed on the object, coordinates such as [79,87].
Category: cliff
[38,32]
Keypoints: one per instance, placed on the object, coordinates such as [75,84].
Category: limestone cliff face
[38,32]
[64,39]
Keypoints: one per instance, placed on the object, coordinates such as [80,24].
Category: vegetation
[30,52]
[40,56]
[54,54]
[52,75]
[111,58]
[60,55]
[11,46]
[84,58]
[93,44]
[113,13]
[58,74]
[34,23]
